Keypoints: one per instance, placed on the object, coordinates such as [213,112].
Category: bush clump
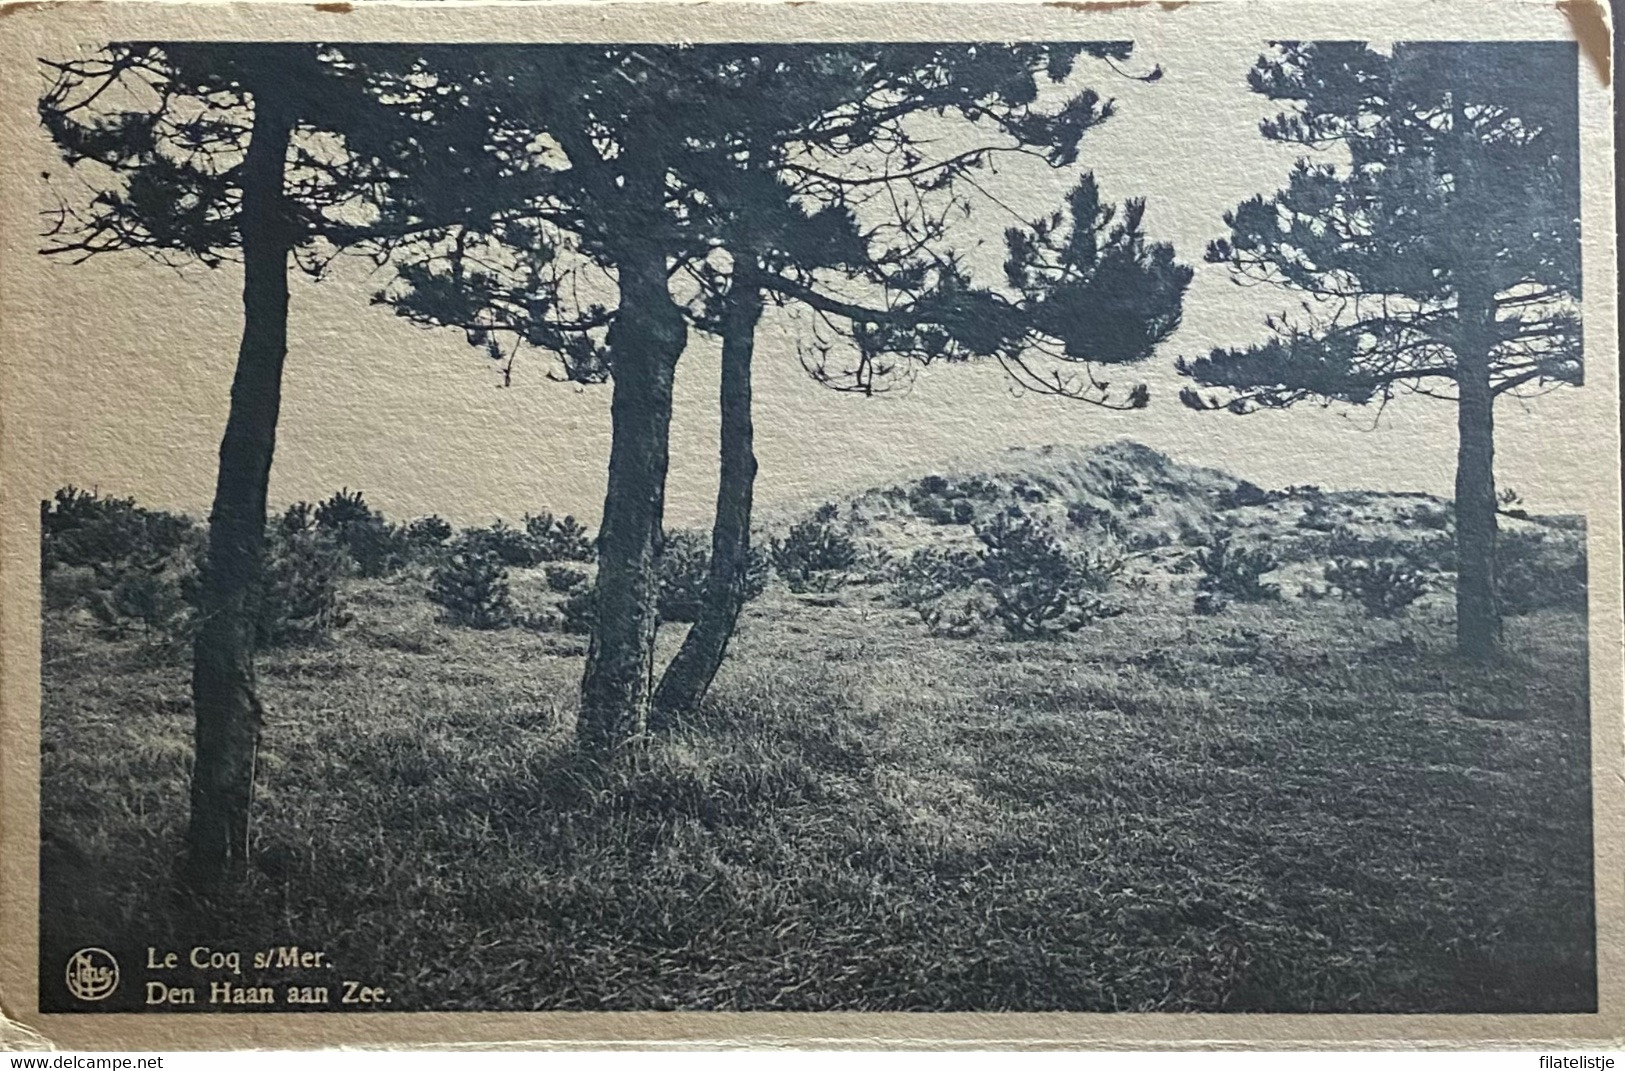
[579,611]
[931,573]
[941,500]
[1038,588]
[377,547]
[1243,494]
[684,566]
[564,579]
[1426,552]
[1022,577]
[562,539]
[83,528]
[427,535]
[934,582]
[815,554]
[1318,515]
[133,569]
[471,585]
[1385,587]
[542,539]
[146,597]
[1535,571]
[1232,572]
[513,548]
[1122,489]
[299,598]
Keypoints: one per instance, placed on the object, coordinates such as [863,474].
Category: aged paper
[817,524]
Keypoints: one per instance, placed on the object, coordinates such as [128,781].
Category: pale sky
[136,394]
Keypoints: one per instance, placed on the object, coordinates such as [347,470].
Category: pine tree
[1037,586]
[472,586]
[1440,256]
[205,153]
[678,154]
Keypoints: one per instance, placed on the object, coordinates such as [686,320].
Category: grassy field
[1288,806]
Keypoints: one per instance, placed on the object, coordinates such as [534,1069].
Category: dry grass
[1286,807]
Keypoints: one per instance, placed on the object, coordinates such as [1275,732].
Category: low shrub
[1433,518]
[513,548]
[377,547]
[1038,588]
[1429,552]
[977,488]
[564,579]
[427,535]
[1022,576]
[815,554]
[957,617]
[931,573]
[471,585]
[579,611]
[542,539]
[343,509]
[299,600]
[133,569]
[684,567]
[145,568]
[941,500]
[1028,492]
[1085,517]
[83,528]
[1243,494]
[297,518]
[1232,572]
[1537,571]
[1123,490]
[147,599]
[1385,587]
[1318,516]
[562,539]
[1148,541]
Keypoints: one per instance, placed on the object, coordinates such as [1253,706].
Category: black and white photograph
[1091,524]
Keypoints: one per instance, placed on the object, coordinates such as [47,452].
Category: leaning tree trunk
[645,341]
[1478,621]
[228,713]
[691,672]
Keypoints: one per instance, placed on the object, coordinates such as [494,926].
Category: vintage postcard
[821,524]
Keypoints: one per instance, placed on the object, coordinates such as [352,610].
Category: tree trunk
[1478,620]
[691,672]
[644,342]
[228,714]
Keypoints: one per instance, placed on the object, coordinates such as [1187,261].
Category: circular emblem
[92,974]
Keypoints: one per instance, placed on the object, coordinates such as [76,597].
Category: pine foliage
[684,568]
[1384,586]
[1232,572]
[299,597]
[471,586]
[1039,588]
[815,554]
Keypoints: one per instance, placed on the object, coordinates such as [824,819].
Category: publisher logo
[92,974]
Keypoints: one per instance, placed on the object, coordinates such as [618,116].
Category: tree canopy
[1438,170]
[806,167]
